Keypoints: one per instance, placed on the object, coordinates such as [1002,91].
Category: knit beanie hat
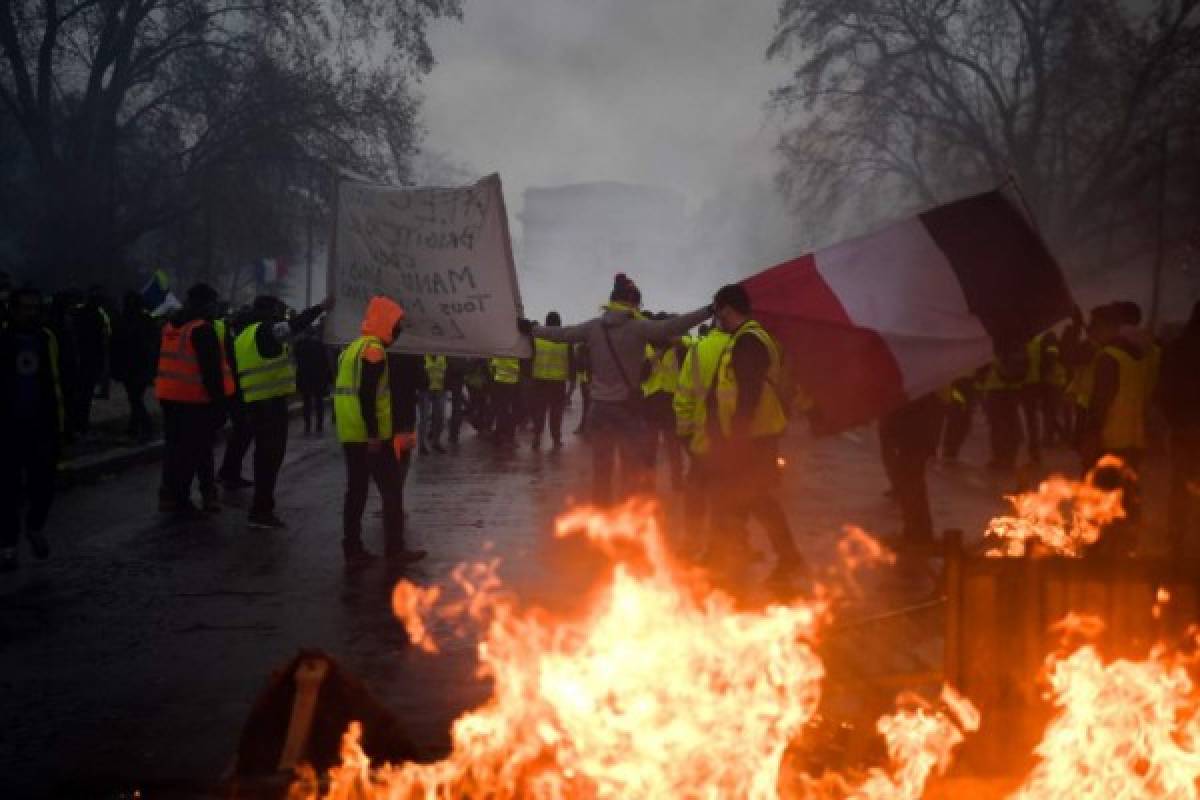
[625,291]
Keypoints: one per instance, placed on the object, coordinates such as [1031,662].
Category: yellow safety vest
[550,360]
[769,418]
[691,392]
[262,378]
[351,427]
[505,370]
[664,371]
[1125,423]
[1081,384]
[435,370]
[1033,350]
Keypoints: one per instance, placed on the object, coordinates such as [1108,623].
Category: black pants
[140,424]
[957,428]
[241,434]
[549,399]
[383,469]
[269,421]
[1004,426]
[585,392]
[660,416]
[744,477]
[28,466]
[618,431]
[314,411]
[458,412]
[189,431]
[908,438]
[504,410]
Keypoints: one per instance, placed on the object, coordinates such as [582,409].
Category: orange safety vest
[179,377]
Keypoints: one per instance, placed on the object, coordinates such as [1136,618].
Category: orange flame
[1062,517]
[664,689]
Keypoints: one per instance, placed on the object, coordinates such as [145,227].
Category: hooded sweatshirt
[380,321]
[617,379]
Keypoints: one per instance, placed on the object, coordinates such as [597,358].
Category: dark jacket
[313,373]
[135,342]
[1178,391]
[46,409]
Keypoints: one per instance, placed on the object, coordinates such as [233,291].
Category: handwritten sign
[443,254]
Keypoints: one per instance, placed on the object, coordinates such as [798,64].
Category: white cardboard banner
[443,254]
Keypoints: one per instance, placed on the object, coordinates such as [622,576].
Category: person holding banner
[617,342]
[362,401]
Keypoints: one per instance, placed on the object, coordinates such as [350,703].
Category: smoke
[659,106]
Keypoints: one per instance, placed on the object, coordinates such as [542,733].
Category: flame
[1061,517]
[663,689]
[1127,729]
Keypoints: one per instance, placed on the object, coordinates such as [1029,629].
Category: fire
[1061,517]
[663,689]
[1123,729]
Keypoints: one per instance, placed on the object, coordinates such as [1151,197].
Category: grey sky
[546,92]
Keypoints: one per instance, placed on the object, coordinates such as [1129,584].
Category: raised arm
[662,331]
[569,334]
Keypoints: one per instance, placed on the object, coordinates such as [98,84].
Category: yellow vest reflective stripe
[664,371]
[435,370]
[1125,423]
[691,393]
[351,426]
[769,418]
[505,370]
[262,378]
[550,360]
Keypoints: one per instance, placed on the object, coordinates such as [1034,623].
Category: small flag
[874,322]
[156,289]
[270,270]
[170,303]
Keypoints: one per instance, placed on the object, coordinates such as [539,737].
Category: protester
[504,397]
[363,414]
[266,375]
[553,363]
[31,406]
[696,377]
[134,361]
[433,404]
[457,369]
[93,330]
[908,439]
[241,432]
[658,390]
[617,342]
[745,419]
[192,385]
[1178,396]
[314,378]
[582,378]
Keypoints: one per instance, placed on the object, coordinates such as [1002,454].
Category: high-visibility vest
[435,370]
[664,371]
[1125,423]
[691,392]
[505,370]
[179,378]
[348,413]
[550,360]
[1033,351]
[769,418]
[262,378]
[1080,387]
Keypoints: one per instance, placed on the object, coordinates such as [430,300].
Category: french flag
[270,270]
[873,322]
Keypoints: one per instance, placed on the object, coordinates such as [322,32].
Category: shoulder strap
[613,352]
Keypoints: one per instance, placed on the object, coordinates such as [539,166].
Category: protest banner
[443,253]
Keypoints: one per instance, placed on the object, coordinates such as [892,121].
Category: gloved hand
[525,326]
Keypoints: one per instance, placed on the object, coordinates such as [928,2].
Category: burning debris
[1062,516]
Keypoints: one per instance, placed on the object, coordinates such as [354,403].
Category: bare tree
[127,110]
[940,97]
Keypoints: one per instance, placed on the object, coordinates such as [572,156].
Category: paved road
[130,659]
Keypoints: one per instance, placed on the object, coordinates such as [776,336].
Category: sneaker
[39,545]
[8,559]
[235,482]
[266,522]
